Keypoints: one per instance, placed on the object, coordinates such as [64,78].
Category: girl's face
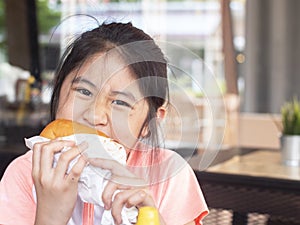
[105,96]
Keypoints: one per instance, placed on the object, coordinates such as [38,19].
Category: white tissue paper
[93,180]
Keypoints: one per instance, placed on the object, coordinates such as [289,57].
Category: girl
[114,79]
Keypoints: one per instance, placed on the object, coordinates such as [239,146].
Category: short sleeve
[182,200]
[173,184]
[17,205]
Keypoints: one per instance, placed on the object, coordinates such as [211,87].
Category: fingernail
[142,194]
[91,160]
[106,207]
[118,221]
[83,146]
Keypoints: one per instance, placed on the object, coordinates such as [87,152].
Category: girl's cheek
[68,110]
[65,113]
[123,132]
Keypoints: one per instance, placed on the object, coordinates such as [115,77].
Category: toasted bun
[63,127]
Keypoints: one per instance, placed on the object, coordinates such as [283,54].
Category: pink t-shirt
[174,187]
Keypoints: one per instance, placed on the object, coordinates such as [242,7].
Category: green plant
[47,17]
[290,116]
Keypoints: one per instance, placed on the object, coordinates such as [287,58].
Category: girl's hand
[133,190]
[56,190]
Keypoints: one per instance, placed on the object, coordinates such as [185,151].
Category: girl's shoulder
[20,168]
[23,160]
[17,203]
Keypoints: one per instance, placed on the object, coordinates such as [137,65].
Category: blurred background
[249,48]
[258,61]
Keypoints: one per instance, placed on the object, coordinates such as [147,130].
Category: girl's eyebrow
[127,94]
[80,79]
[124,93]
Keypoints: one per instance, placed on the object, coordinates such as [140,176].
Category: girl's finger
[112,165]
[123,181]
[107,194]
[77,169]
[66,157]
[140,198]
[36,158]
[48,150]
[119,183]
[129,198]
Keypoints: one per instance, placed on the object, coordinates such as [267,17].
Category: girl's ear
[161,113]
[145,131]
[160,116]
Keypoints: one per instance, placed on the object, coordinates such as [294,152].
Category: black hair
[145,59]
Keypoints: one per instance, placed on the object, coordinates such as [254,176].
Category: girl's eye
[121,103]
[84,91]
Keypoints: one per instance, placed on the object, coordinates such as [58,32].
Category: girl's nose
[97,113]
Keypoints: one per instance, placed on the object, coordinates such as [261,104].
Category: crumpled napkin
[93,180]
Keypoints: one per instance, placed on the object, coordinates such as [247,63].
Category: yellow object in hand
[148,216]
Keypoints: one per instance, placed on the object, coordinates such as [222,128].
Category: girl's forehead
[107,66]
[103,72]
[107,74]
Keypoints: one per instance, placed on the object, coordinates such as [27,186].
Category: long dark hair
[143,56]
